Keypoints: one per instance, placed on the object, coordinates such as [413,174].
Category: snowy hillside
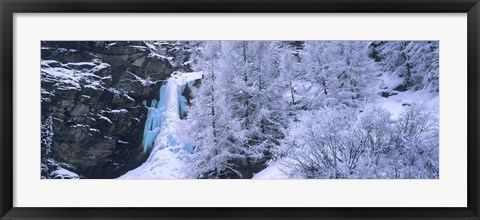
[248,110]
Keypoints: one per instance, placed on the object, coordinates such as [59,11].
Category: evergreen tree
[256,95]
[215,133]
[415,62]
[342,70]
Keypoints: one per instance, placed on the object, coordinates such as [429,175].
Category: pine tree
[416,62]
[342,71]
[256,95]
[215,132]
[289,71]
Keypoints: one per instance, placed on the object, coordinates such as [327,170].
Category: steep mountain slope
[92,95]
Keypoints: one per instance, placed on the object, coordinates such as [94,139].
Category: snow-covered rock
[95,90]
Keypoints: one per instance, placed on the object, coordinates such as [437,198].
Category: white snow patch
[142,48]
[117,111]
[79,125]
[94,130]
[64,174]
[275,170]
[391,81]
[183,78]
[104,118]
[66,78]
[162,164]
[136,119]
[396,104]
[128,97]
[144,82]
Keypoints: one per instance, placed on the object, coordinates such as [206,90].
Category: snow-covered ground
[396,104]
[275,170]
[162,164]
[62,173]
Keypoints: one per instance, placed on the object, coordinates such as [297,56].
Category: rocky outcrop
[94,93]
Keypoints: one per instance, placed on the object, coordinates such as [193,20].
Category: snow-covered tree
[341,71]
[416,143]
[348,143]
[312,106]
[416,63]
[215,133]
[256,95]
[289,71]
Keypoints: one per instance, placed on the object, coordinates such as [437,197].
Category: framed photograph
[230,109]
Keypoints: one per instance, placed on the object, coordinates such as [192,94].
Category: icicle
[154,119]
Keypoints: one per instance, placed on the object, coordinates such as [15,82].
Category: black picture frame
[9,7]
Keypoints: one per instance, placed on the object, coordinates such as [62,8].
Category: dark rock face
[94,92]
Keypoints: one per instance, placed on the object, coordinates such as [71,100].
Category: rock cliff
[93,96]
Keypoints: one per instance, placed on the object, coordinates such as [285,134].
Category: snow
[391,81]
[128,97]
[111,45]
[162,164]
[150,45]
[144,82]
[48,62]
[66,78]
[183,78]
[275,170]
[396,104]
[394,107]
[118,111]
[160,57]
[78,125]
[45,92]
[104,118]
[62,50]
[64,174]
[142,48]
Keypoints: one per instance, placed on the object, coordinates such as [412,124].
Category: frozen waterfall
[162,129]
[161,113]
